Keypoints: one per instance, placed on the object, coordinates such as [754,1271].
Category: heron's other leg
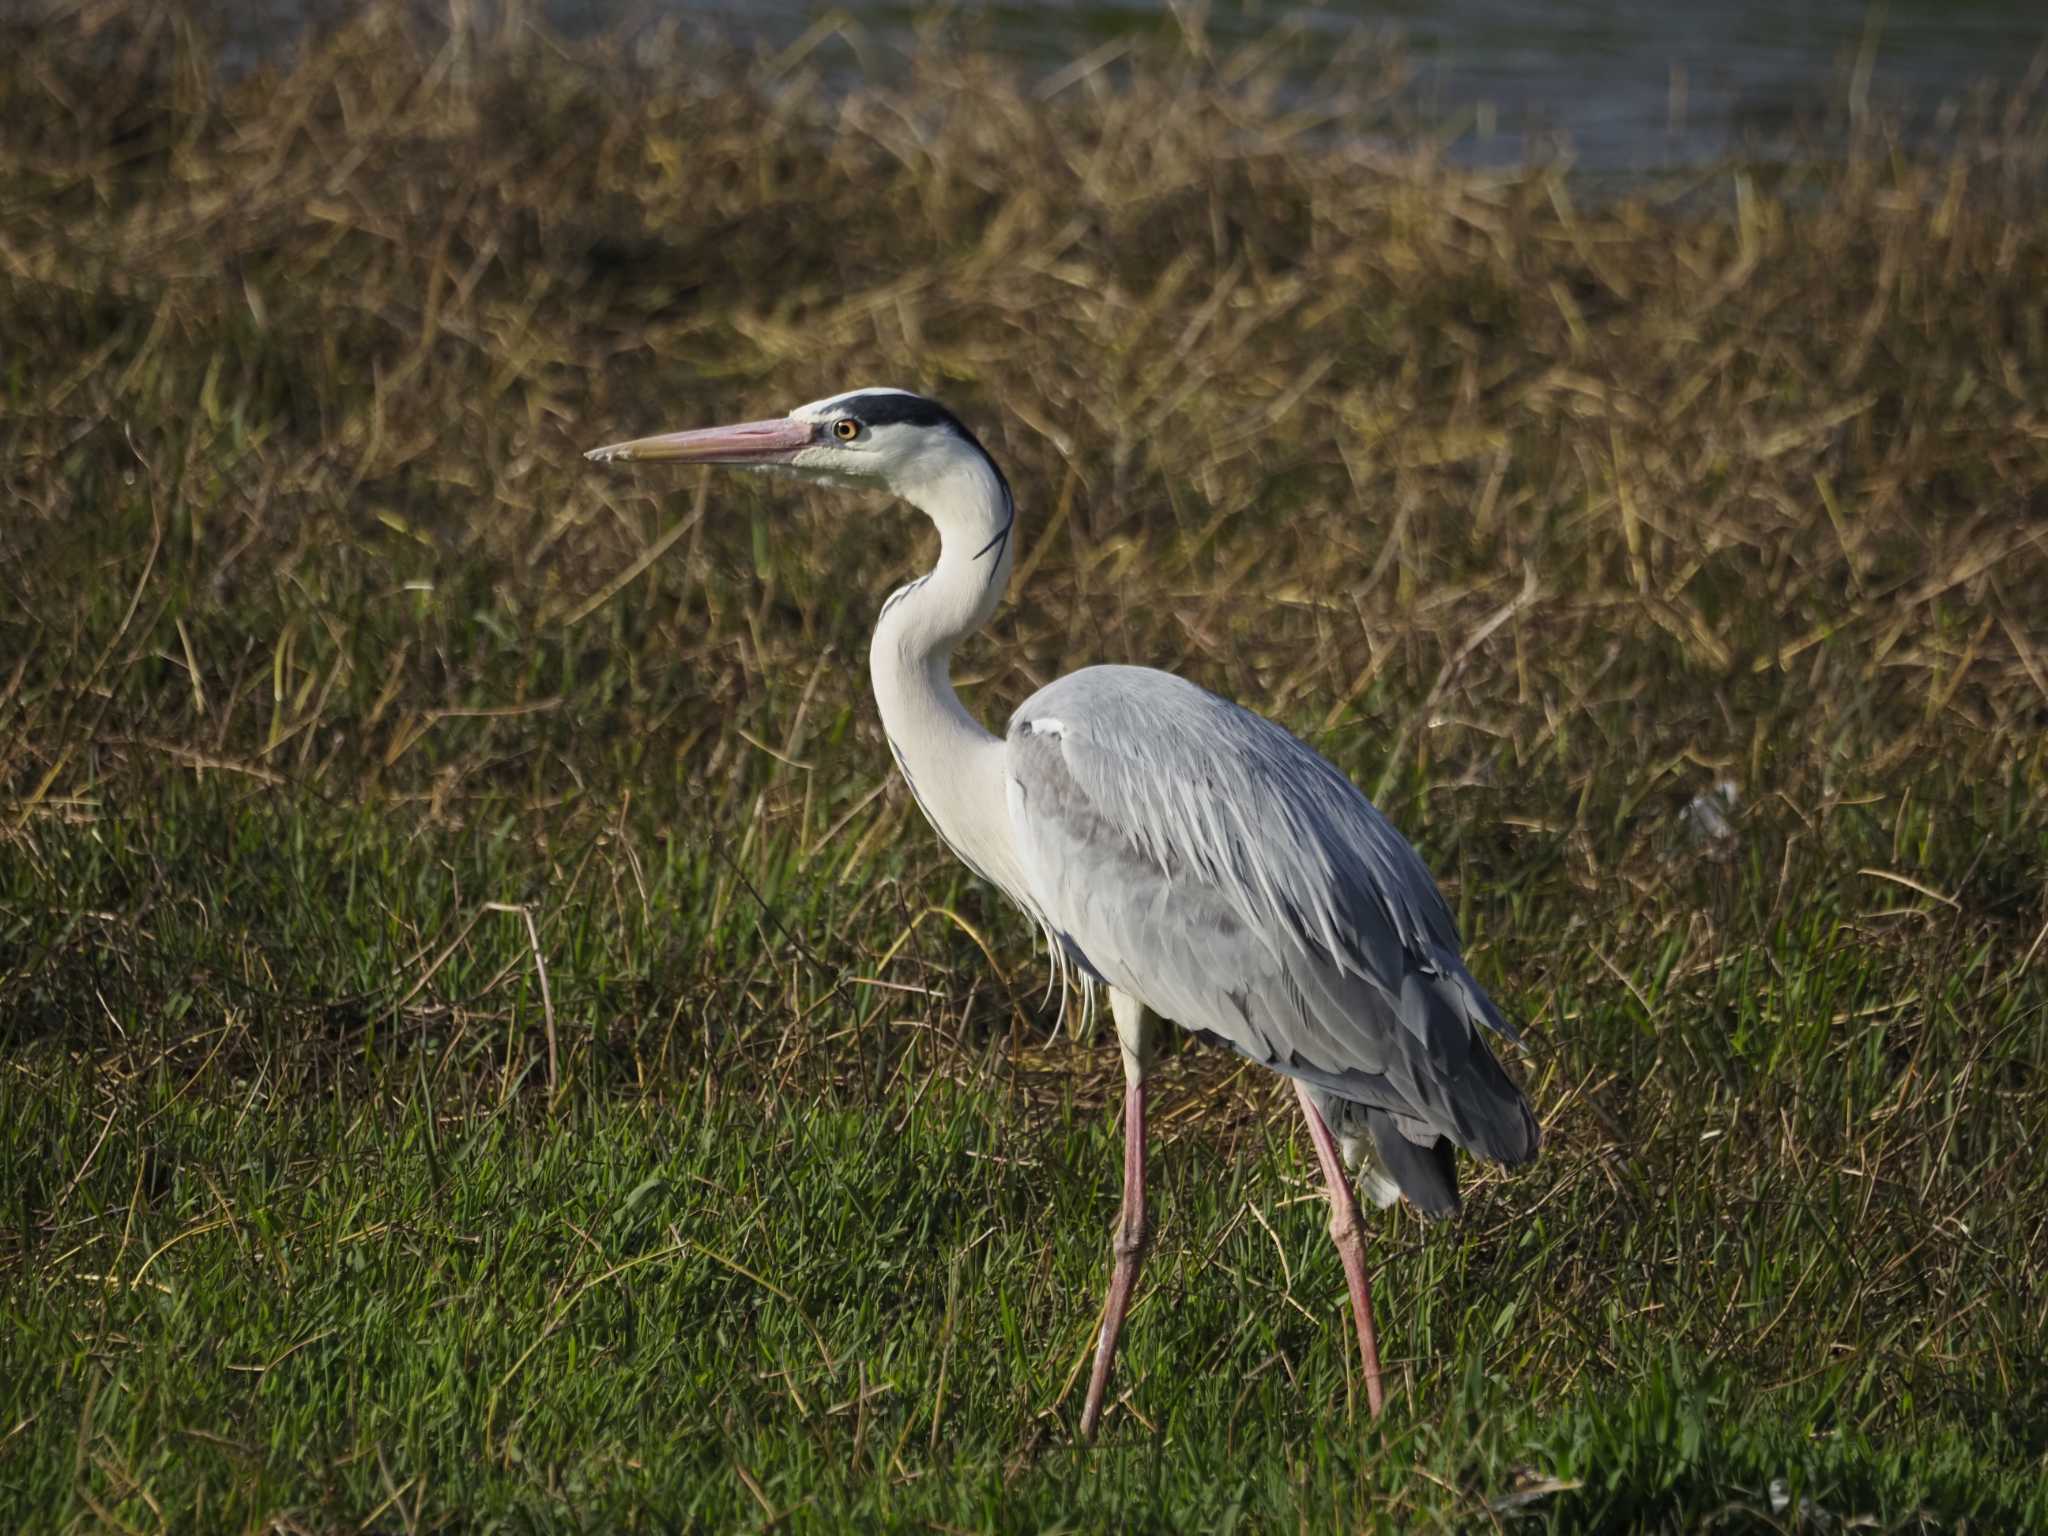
[1349,1234]
[1136,1027]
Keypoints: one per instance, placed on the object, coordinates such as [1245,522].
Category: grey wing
[1203,859]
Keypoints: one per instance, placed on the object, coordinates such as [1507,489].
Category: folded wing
[1203,859]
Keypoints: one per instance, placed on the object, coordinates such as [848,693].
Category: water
[1628,87]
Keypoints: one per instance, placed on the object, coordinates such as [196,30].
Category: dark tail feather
[1428,1176]
[1494,1118]
[1457,1083]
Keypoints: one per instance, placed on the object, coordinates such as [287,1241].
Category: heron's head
[872,439]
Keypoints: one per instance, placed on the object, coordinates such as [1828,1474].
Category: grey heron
[1197,860]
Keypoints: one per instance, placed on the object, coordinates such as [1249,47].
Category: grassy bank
[486,1041]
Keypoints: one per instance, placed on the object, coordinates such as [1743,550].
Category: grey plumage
[1203,858]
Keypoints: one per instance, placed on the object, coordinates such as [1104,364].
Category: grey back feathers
[1208,861]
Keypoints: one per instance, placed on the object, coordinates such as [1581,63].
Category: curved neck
[951,762]
[921,623]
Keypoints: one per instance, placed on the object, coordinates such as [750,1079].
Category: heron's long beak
[748,442]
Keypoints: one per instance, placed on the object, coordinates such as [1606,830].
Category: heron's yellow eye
[846,429]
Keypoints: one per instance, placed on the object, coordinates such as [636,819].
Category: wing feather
[1203,859]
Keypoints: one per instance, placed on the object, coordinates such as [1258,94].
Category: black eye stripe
[881,410]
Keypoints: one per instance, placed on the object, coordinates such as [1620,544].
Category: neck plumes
[953,766]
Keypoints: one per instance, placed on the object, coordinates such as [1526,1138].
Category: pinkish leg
[1349,1234]
[1129,1251]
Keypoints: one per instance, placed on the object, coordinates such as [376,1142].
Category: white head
[865,439]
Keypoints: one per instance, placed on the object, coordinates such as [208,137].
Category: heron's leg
[1134,1028]
[1349,1234]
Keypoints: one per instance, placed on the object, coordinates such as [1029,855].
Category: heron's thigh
[1137,1032]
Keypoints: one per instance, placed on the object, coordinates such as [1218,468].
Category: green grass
[486,1044]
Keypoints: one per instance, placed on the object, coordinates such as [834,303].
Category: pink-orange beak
[748,442]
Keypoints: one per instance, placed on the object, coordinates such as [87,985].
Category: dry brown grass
[1294,415]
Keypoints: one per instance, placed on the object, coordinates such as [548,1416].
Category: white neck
[953,766]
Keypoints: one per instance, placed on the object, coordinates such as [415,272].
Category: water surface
[1627,87]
